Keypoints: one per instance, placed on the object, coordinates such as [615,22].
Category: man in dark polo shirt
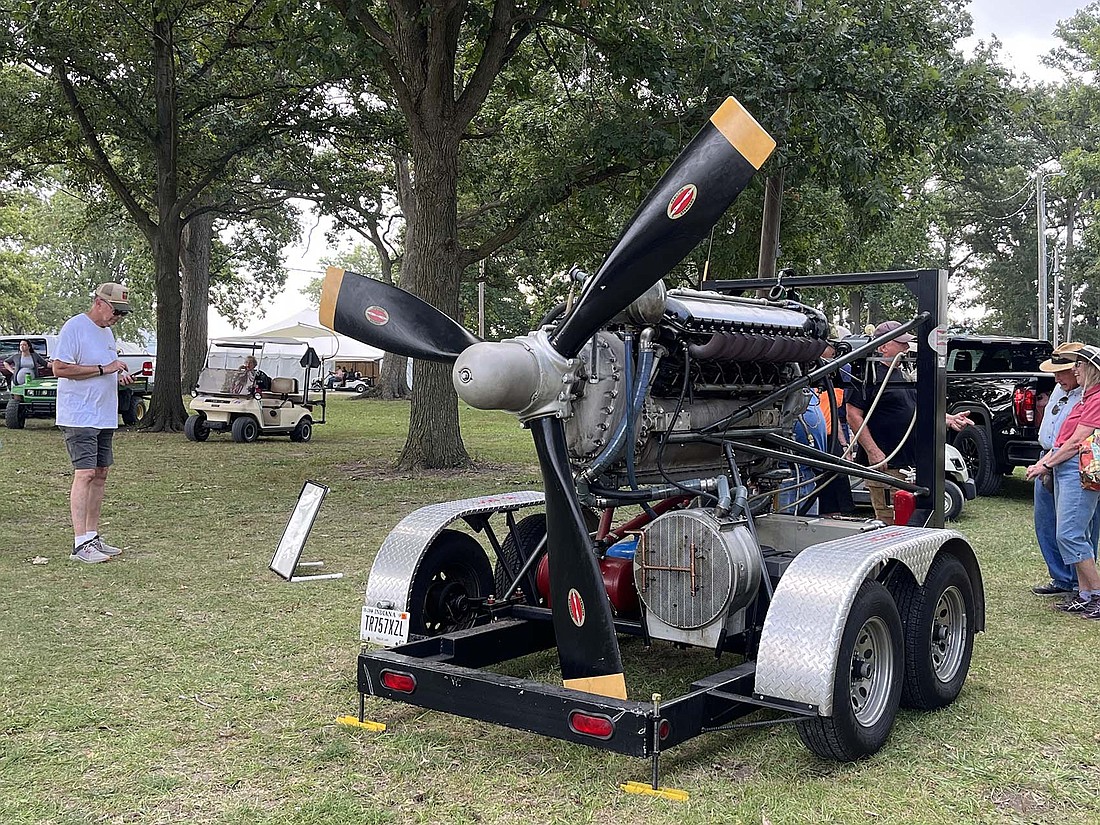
[881,441]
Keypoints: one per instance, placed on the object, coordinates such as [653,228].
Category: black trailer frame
[448,672]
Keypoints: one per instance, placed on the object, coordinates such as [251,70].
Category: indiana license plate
[388,628]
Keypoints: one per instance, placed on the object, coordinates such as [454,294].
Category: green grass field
[185,683]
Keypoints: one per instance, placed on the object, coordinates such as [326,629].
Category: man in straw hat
[1067,393]
[89,371]
[1076,506]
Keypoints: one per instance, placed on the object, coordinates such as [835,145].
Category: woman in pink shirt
[1076,506]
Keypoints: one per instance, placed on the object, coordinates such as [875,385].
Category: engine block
[704,358]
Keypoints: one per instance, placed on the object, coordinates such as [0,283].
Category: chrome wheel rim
[949,626]
[872,671]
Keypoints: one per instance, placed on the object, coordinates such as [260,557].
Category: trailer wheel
[977,452]
[939,634]
[867,685]
[195,427]
[953,500]
[453,571]
[245,429]
[527,535]
[14,417]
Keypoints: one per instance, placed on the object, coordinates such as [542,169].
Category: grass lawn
[185,683]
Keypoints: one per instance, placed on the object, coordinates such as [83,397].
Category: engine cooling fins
[389,318]
[678,213]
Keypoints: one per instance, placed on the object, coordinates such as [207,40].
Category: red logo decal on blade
[377,316]
[576,607]
[682,201]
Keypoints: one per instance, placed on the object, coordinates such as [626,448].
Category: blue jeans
[1076,510]
[1046,534]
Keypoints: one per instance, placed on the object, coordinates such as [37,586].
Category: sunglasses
[115,313]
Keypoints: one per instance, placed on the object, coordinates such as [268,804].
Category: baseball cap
[115,294]
[890,326]
[1062,358]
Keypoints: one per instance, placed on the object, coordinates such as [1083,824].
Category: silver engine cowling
[696,574]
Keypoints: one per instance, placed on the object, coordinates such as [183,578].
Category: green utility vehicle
[37,398]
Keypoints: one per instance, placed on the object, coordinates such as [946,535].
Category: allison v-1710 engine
[680,404]
[648,402]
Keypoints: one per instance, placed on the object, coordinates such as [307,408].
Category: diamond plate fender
[399,556]
[801,636]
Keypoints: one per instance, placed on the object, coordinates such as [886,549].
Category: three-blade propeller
[680,210]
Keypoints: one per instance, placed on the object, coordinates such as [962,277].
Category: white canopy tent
[329,345]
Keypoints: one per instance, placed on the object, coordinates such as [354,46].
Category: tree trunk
[195,245]
[391,380]
[855,311]
[431,271]
[167,412]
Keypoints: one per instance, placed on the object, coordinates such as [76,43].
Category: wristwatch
[100,368]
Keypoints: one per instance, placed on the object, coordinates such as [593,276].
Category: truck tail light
[401,682]
[1024,405]
[147,369]
[591,724]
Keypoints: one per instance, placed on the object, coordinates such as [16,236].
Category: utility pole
[1041,219]
[1057,290]
[773,198]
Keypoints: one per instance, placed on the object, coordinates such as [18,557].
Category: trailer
[678,403]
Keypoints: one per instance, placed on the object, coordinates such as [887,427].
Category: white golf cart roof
[277,357]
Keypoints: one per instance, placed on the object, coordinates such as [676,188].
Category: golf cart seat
[284,389]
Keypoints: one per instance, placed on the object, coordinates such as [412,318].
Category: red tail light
[590,724]
[1024,405]
[147,368]
[401,682]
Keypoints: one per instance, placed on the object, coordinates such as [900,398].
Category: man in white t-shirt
[89,371]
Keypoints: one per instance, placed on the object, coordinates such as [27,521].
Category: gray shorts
[89,447]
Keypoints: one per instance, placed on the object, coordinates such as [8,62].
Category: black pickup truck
[997,379]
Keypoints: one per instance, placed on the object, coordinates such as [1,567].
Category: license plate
[388,628]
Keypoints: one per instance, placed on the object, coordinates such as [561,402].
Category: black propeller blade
[389,318]
[678,213]
[583,625]
[688,200]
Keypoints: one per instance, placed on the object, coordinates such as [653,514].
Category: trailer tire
[517,547]
[939,633]
[977,451]
[867,684]
[453,570]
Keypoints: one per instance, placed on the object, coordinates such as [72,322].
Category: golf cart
[958,487]
[270,398]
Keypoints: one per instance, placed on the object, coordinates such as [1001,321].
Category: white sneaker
[87,553]
[105,548]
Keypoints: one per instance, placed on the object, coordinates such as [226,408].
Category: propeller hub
[524,376]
